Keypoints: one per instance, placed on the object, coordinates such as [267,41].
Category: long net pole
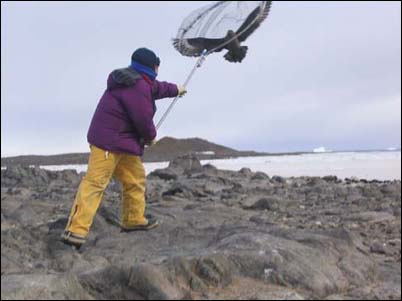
[197,65]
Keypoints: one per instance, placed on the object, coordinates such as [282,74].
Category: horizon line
[258,152]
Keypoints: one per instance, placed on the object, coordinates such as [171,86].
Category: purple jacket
[123,119]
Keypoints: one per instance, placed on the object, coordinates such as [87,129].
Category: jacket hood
[121,78]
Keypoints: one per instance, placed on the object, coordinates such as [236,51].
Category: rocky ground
[223,235]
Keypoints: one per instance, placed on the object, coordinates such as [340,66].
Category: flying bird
[231,42]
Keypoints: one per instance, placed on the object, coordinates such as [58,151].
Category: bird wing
[195,46]
[249,29]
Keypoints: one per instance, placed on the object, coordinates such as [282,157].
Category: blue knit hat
[145,57]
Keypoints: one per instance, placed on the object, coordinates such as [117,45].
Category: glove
[150,143]
[147,143]
[153,142]
[182,90]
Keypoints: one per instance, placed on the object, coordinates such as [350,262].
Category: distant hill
[169,148]
[166,149]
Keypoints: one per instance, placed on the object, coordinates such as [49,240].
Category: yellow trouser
[102,165]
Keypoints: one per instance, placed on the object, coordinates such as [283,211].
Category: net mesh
[214,21]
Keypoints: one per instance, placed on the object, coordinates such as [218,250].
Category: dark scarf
[144,70]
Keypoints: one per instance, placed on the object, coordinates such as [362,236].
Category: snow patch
[206,153]
[321,149]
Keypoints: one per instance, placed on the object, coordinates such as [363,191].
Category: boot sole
[141,228]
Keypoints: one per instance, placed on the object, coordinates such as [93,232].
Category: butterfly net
[214,21]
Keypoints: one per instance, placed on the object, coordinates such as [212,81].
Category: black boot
[72,239]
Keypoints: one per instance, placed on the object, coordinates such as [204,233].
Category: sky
[316,74]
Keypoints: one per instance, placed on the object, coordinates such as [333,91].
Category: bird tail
[236,55]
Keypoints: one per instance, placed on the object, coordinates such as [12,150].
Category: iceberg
[321,149]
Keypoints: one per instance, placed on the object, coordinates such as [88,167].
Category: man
[121,126]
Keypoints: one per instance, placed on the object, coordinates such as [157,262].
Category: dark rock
[13,191]
[352,180]
[165,174]
[378,247]
[152,283]
[330,178]
[70,176]
[215,271]
[209,168]
[109,283]
[245,171]
[390,189]
[265,204]
[179,188]
[13,176]
[257,219]
[188,164]
[278,179]
[315,181]
[259,176]
[42,287]
[25,176]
